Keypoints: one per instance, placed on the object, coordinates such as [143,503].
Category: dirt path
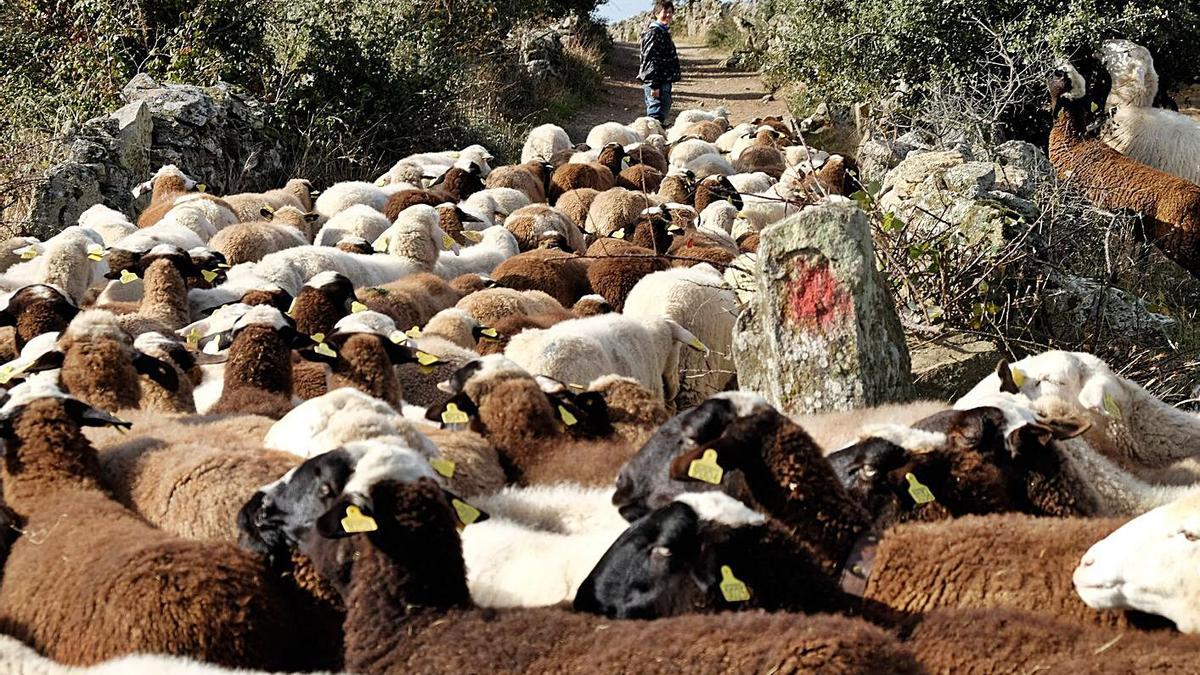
[705,85]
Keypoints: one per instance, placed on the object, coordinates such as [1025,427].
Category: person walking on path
[660,62]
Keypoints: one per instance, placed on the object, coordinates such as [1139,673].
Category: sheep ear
[397,353]
[249,536]
[1008,383]
[93,417]
[266,213]
[350,514]
[440,179]
[311,354]
[7,318]
[48,361]
[681,465]
[683,335]
[464,403]
[312,217]
[464,217]
[157,370]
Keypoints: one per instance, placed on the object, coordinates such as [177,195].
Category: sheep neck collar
[857,570]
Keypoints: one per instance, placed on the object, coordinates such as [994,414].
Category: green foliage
[860,51]
[354,83]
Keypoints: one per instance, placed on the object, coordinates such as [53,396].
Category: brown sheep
[641,177]
[643,153]
[411,571]
[678,189]
[258,374]
[489,306]
[530,224]
[531,178]
[708,130]
[575,205]
[563,276]
[618,268]
[251,241]
[415,299]
[1169,206]
[163,308]
[599,175]
[763,156]
[1002,640]
[100,582]
[34,310]
[248,206]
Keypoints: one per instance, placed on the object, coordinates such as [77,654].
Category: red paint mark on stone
[815,298]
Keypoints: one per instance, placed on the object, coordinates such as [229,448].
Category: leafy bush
[353,84]
[861,51]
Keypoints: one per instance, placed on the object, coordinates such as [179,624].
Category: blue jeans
[658,107]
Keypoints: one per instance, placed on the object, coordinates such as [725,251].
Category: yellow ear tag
[128,277]
[355,521]
[414,332]
[381,244]
[208,275]
[28,252]
[696,344]
[447,242]
[214,347]
[732,588]
[398,337]
[490,333]
[201,188]
[576,387]
[472,235]
[427,359]
[619,234]
[467,514]
[193,338]
[566,416]
[1111,406]
[920,493]
[95,253]
[292,308]
[356,307]
[318,337]
[454,418]
[443,466]
[325,350]
[706,468]
[1018,376]
[381,181]
[6,374]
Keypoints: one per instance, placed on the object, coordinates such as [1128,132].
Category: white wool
[262,315]
[33,350]
[31,390]
[1148,565]
[719,215]
[711,165]
[563,508]
[698,299]
[323,279]
[752,182]
[189,215]
[581,350]
[166,170]
[341,196]
[18,659]
[212,384]
[916,440]
[510,565]
[719,507]
[683,153]
[497,245]
[358,220]
[366,322]
[166,231]
[804,159]
[376,461]
[219,321]
[612,132]
[110,224]
[726,140]
[339,417]
[500,202]
[543,142]
[417,236]
[219,215]
[62,262]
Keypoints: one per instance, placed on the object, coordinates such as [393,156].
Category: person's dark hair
[663,4]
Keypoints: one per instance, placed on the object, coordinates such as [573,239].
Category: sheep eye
[325,491]
[867,471]
[1190,536]
[661,552]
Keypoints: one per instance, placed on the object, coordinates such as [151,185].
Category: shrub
[861,51]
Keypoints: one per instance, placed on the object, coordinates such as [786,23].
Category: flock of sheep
[477,419]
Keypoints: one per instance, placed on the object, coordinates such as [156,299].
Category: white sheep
[582,350]
[726,140]
[359,220]
[110,224]
[1148,565]
[67,262]
[1160,138]
[752,182]
[430,165]
[341,196]
[710,165]
[496,246]
[339,417]
[498,202]
[719,215]
[544,142]
[689,117]
[612,132]
[697,299]
[683,153]
[218,213]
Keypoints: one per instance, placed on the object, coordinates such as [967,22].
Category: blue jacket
[660,61]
